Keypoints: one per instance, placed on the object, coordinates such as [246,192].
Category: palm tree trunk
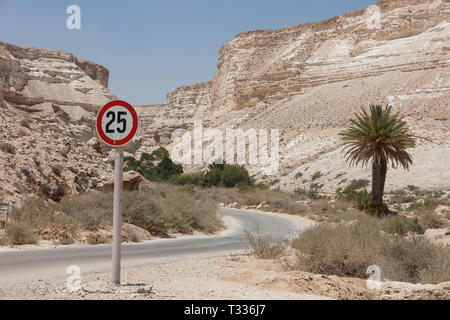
[379,170]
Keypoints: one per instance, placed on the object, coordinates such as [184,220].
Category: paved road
[52,263]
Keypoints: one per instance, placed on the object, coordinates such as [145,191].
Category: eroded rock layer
[309,79]
[48,100]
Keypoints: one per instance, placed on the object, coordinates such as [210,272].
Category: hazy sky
[153,47]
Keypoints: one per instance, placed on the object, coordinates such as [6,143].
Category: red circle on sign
[101,113]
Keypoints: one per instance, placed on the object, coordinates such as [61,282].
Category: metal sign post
[117,223]
[117,123]
[4,207]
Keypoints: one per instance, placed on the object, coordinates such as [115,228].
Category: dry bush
[430,220]
[89,211]
[349,249]
[342,250]
[159,209]
[7,147]
[265,247]
[131,234]
[20,233]
[402,225]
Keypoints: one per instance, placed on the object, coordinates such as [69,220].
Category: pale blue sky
[153,47]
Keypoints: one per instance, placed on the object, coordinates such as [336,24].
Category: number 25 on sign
[117,123]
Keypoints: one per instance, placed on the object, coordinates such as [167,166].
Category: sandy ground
[228,278]
[214,278]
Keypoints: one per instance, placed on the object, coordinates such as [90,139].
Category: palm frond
[379,135]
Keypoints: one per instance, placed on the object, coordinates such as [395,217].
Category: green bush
[228,176]
[157,166]
[362,200]
[188,179]
[233,175]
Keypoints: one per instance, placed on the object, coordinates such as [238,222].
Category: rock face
[131,182]
[309,79]
[184,106]
[47,103]
[31,76]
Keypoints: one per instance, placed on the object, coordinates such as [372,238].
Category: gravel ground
[223,278]
[188,279]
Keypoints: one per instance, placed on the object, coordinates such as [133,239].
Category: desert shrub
[57,171]
[7,147]
[340,250]
[213,177]
[311,193]
[427,204]
[316,175]
[227,175]
[416,259]
[160,209]
[164,208]
[401,196]
[157,166]
[274,181]
[234,175]
[362,200]
[58,193]
[46,191]
[89,211]
[348,249]
[20,233]
[265,247]
[187,188]
[402,225]
[28,175]
[131,234]
[262,186]
[149,216]
[430,220]
[298,175]
[188,179]
[359,184]
[412,187]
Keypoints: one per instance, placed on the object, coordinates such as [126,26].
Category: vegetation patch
[348,249]
[265,247]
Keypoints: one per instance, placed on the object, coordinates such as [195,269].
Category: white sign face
[117,123]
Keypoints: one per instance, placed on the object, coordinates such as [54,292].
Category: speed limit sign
[117,123]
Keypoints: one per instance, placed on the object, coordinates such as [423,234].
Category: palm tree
[382,137]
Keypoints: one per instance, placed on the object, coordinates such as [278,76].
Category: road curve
[52,263]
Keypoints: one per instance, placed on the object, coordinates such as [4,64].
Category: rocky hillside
[309,79]
[47,104]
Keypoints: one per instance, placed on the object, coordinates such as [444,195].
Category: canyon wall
[48,100]
[308,80]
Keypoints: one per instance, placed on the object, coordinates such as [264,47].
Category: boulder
[131,182]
